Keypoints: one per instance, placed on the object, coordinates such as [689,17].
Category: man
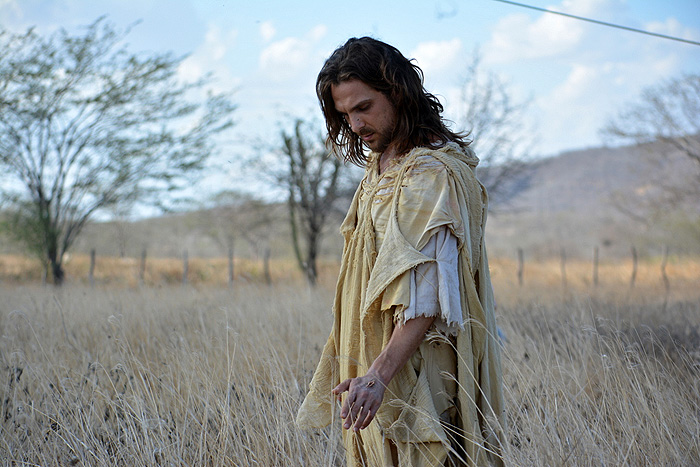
[412,354]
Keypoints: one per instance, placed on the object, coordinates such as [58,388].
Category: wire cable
[603,23]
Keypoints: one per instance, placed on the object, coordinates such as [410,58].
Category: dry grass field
[173,375]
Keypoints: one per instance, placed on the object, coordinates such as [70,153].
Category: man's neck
[387,157]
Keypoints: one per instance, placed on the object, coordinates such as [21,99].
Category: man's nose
[356,124]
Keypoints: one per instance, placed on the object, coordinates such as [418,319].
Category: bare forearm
[365,393]
[403,343]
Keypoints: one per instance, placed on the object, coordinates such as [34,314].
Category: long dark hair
[384,68]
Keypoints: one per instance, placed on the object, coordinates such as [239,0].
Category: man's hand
[365,395]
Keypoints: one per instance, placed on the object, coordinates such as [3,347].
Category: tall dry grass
[172,376]
[213,376]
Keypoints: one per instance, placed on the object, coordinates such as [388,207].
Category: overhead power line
[603,23]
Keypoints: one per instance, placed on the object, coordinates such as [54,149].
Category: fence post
[142,268]
[563,268]
[230,261]
[184,267]
[634,267]
[266,265]
[595,266]
[521,266]
[664,276]
[91,274]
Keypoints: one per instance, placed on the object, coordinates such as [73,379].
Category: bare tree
[312,178]
[667,113]
[234,215]
[664,124]
[498,129]
[86,125]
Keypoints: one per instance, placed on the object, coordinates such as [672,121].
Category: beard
[380,139]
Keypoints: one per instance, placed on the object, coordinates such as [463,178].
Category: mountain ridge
[572,201]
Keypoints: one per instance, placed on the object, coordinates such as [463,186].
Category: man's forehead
[351,93]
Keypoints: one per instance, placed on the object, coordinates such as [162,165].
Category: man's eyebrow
[362,103]
[358,105]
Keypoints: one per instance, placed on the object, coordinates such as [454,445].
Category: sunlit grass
[211,375]
[172,376]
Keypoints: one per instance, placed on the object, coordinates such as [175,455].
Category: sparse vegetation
[206,375]
[88,126]
[314,179]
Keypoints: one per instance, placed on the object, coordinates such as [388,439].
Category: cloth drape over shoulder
[391,218]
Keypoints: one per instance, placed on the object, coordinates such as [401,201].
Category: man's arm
[365,393]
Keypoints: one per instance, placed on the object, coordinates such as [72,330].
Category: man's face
[368,112]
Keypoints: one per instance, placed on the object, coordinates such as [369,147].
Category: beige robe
[447,400]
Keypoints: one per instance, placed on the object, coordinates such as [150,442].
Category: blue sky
[578,74]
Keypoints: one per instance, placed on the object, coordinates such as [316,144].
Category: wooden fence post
[563,268]
[91,274]
[142,267]
[266,265]
[634,267]
[230,261]
[664,276]
[184,267]
[521,266]
[595,266]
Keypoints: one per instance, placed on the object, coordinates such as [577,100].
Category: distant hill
[576,201]
[569,201]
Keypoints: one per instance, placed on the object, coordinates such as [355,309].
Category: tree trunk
[312,254]
[57,272]
[55,263]
[311,272]
[293,224]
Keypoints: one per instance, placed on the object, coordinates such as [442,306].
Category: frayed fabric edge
[441,324]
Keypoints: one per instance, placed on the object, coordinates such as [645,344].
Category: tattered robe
[447,399]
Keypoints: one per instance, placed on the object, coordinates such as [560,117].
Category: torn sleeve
[434,285]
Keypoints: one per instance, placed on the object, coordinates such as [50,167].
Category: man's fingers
[368,419]
[339,389]
[361,403]
[362,415]
[349,413]
[342,387]
[349,399]
[355,414]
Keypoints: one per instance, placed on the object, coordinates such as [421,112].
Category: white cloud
[441,62]
[672,27]
[210,56]
[267,31]
[517,37]
[12,5]
[582,73]
[318,32]
[288,53]
[520,36]
[437,56]
[572,110]
[218,42]
[576,109]
[11,15]
[577,83]
[601,9]
[286,58]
